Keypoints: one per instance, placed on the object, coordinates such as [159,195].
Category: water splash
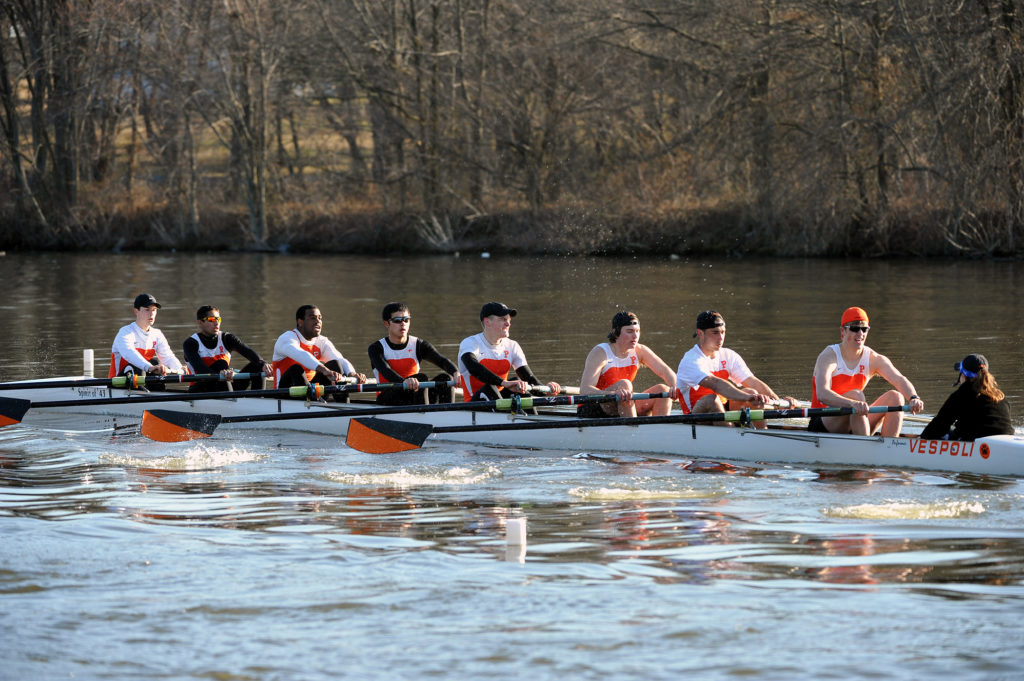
[902,510]
[196,457]
[405,478]
[623,493]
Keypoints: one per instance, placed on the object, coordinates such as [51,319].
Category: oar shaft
[295,392]
[121,381]
[376,387]
[737,416]
[506,404]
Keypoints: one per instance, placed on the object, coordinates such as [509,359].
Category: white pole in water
[515,540]
[87,362]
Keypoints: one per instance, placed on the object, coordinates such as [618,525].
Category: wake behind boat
[788,443]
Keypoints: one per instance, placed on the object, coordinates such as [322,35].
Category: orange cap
[854,314]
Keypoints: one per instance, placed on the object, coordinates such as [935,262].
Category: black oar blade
[12,410]
[383,436]
[165,425]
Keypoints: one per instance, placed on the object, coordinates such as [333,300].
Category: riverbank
[568,231]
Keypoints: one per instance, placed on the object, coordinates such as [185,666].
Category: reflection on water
[288,555]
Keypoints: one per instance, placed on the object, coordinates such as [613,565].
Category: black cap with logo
[145,300]
[970,366]
[497,309]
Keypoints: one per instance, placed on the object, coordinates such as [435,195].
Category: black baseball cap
[708,319]
[145,300]
[497,309]
[622,319]
[969,366]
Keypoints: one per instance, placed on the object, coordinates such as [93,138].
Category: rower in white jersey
[486,359]
[302,356]
[140,348]
[612,367]
[712,378]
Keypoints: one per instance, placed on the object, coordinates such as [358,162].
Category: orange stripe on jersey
[405,367]
[283,365]
[499,367]
[842,384]
[613,374]
[700,391]
[118,365]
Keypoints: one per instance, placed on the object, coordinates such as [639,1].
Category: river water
[288,556]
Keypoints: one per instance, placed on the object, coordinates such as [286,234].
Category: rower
[611,368]
[713,378]
[140,348]
[302,356]
[486,359]
[208,351]
[841,373]
[396,358]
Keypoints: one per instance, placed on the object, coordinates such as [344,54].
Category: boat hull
[999,455]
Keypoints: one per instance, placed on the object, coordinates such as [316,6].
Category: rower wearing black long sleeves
[486,359]
[397,358]
[209,351]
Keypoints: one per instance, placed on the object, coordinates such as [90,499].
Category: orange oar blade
[383,436]
[165,425]
[12,410]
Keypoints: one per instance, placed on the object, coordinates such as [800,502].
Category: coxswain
[612,367]
[977,408]
[841,373]
[208,351]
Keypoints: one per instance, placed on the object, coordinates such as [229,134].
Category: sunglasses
[399,320]
[210,319]
[858,329]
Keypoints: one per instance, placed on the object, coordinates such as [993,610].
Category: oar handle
[375,387]
[135,381]
[527,402]
[803,412]
[141,380]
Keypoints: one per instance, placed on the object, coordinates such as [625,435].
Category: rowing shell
[997,455]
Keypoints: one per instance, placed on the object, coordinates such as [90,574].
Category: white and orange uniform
[404,362]
[291,349]
[845,378]
[136,347]
[617,368]
[695,366]
[210,355]
[499,359]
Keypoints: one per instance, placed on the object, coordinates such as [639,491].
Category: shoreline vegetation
[552,232]
[784,128]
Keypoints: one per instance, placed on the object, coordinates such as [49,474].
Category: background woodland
[783,127]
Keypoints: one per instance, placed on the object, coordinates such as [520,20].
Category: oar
[12,410]
[165,425]
[386,436]
[134,381]
[912,418]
